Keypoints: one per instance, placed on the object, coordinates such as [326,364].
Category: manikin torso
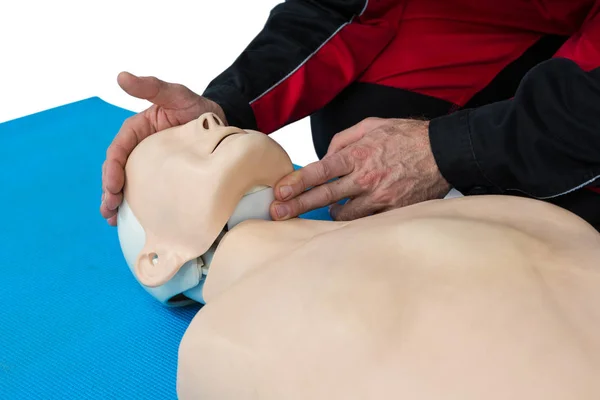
[472,298]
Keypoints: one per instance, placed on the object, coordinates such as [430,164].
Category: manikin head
[184,187]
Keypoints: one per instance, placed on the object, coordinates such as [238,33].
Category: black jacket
[543,143]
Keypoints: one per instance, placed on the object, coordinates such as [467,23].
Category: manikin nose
[214,131]
[211,121]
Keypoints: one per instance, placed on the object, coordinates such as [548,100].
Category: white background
[59,51]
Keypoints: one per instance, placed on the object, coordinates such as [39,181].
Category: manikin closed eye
[184,188]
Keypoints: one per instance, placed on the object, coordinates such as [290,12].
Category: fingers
[319,196]
[132,132]
[176,97]
[146,88]
[313,174]
[114,178]
[353,209]
[153,89]
[352,134]
[103,175]
[110,204]
[345,138]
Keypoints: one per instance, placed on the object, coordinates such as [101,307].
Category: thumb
[150,88]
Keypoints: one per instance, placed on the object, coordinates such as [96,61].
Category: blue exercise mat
[74,323]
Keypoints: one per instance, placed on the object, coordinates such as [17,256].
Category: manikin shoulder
[486,225]
[484,298]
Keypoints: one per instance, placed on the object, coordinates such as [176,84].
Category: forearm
[545,142]
[306,54]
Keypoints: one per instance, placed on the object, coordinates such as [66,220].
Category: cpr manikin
[184,187]
[473,298]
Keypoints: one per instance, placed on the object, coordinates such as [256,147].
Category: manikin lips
[225,137]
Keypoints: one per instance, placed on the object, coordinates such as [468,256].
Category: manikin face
[183,186]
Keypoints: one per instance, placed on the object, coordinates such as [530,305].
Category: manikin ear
[206,171]
[186,286]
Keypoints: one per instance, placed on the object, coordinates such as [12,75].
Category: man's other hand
[381,164]
[173,105]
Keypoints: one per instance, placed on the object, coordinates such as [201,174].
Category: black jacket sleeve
[307,52]
[543,143]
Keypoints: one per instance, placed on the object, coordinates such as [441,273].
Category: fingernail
[285,192]
[282,211]
[102,201]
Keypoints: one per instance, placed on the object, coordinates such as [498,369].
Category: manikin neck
[251,245]
[241,234]
[242,246]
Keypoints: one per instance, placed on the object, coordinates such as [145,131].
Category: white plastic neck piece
[187,284]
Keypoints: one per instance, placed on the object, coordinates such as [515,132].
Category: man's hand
[381,164]
[173,105]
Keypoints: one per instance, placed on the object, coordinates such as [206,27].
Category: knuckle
[322,171]
[297,206]
[129,122]
[382,131]
[298,186]
[180,89]
[346,162]
[370,179]
[328,195]
[383,197]
[370,120]
[334,142]
[360,152]
[110,153]
[297,181]
[153,80]
[116,151]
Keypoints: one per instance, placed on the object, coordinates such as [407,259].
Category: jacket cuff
[237,110]
[452,148]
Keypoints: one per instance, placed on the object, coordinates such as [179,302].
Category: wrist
[234,107]
[440,185]
[451,145]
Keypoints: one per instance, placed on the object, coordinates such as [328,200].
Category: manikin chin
[489,297]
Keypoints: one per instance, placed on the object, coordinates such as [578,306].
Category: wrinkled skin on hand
[172,105]
[381,164]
